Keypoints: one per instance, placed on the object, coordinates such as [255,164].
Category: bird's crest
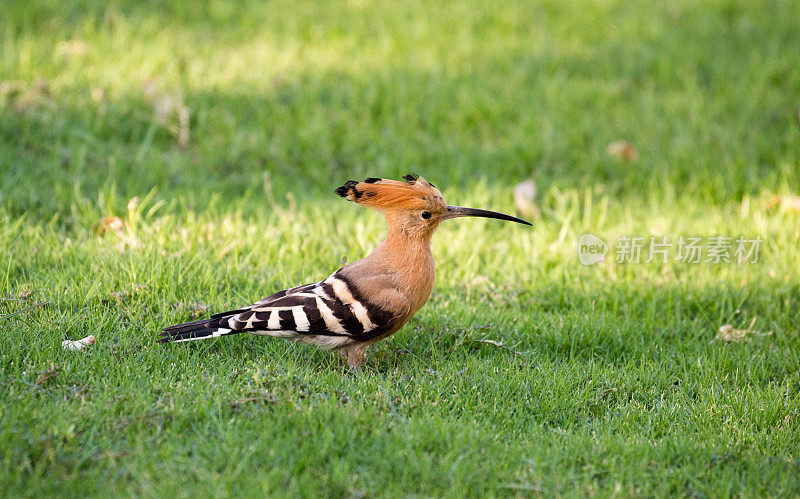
[384,194]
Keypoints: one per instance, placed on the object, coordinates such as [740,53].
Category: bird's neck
[409,257]
[407,249]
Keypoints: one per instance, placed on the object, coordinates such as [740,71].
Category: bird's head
[413,206]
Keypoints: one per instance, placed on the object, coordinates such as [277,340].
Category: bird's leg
[354,358]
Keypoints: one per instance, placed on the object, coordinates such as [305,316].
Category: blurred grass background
[230,123]
[706,91]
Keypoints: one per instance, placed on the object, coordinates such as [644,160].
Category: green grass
[613,381]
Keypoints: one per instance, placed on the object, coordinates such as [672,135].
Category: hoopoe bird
[365,301]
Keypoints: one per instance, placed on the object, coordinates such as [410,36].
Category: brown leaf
[110,223]
[786,202]
[623,151]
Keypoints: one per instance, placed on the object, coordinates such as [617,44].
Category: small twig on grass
[498,344]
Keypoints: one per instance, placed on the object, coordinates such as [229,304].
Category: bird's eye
[426,215]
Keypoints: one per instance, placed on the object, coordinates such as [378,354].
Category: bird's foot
[353,357]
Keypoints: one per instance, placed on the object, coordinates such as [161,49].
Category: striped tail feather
[213,327]
[331,313]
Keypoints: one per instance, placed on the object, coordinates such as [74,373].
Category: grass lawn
[217,133]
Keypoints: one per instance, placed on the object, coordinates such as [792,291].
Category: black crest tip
[410,178]
[345,189]
[372,180]
[348,186]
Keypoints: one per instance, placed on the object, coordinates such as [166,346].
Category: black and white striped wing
[330,313]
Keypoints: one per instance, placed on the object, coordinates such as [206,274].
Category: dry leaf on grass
[78,345]
[788,202]
[623,151]
[730,334]
[525,199]
[110,223]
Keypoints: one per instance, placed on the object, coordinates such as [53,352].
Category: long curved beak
[462,211]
